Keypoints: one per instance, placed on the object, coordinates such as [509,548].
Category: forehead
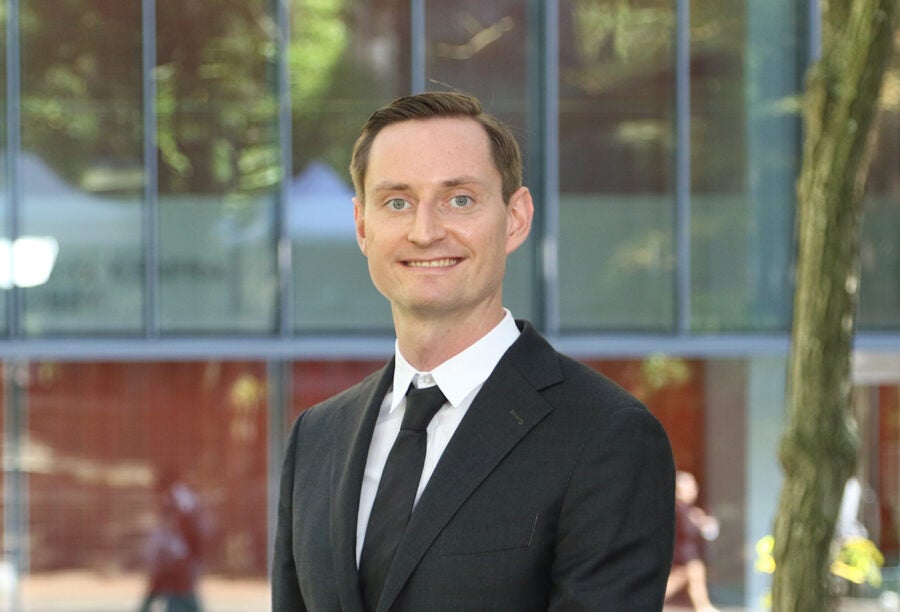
[428,148]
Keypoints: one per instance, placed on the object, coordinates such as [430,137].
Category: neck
[427,342]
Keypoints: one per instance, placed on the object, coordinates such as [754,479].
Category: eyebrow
[451,182]
[460,180]
[390,186]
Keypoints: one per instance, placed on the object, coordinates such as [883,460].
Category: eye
[397,204]
[460,201]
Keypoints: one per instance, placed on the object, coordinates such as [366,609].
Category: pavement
[84,591]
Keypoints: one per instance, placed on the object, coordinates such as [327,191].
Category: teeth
[434,263]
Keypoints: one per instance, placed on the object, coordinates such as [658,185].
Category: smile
[433,263]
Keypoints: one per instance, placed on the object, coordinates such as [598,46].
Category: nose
[427,226]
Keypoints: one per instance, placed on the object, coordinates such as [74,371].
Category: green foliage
[82,94]
[659,371]
[318,40]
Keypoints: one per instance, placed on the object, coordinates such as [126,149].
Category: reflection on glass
[219,166]
[316,381]
[346,60]
[879,302]
[887,469]
[4,231]
[746,72]
[126,449]
[616,262]
[27,261]
[481,48]
[81,166]
[719,213]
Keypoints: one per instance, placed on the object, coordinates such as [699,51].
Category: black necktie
[396,491]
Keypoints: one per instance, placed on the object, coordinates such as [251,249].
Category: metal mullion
[15,484]
[549,244]
[279,377]
[150,205]
[279,371]
[683,166]
[814,31]
[417,47]
[15,481]
[284,244]
[13,153]
[542,153]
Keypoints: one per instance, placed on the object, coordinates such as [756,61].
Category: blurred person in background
[175,548]
[692,527]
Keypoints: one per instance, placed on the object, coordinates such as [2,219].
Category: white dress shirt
[460,379]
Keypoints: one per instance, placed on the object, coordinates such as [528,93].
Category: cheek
[378,251]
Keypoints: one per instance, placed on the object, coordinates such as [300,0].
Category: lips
[432,263]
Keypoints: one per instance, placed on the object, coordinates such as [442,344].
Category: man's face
[434,226]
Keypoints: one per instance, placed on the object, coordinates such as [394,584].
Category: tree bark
[819,446]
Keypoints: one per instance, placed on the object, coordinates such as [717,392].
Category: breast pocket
[474,533]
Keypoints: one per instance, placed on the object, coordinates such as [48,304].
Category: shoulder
[564,381]
[588,407]
[582,384]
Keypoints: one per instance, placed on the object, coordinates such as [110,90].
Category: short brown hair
[433,105]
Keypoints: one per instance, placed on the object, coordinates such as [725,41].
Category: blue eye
[397,203]
[460,201]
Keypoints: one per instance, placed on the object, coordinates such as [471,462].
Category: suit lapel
[351,451]
[505,410]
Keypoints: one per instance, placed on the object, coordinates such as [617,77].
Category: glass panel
[886,480]
[102,440]
[745,75]
[219,165]
[616,263]
[346,59]
[78,255]
[481,48]
[7,461]
[316,381]
[879,303]
[4,231]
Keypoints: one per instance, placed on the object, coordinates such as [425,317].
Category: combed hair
[433,105]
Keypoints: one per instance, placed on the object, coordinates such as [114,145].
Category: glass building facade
[180,276]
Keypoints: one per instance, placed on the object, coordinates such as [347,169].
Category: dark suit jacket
[555,493]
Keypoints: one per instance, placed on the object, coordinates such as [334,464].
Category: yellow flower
[858,560]
[765,562]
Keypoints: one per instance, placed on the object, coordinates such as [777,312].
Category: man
[544,485]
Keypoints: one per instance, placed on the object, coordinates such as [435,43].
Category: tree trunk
[819,447]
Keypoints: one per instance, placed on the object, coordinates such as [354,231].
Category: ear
[519,213]
[359,217]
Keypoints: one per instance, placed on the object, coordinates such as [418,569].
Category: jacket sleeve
[616,529]
[286,596]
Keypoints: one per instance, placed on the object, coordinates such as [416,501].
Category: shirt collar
[461,374]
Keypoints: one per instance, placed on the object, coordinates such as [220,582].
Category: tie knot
[421,406]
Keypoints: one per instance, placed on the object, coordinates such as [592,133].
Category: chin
[430,307]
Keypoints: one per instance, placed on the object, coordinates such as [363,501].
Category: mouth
[432,263]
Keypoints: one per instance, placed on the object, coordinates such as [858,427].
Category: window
[616,242]
[219,166]
[101,438]
[80,169]
[879,302]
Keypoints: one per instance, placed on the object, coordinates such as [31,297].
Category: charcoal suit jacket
[555,493]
